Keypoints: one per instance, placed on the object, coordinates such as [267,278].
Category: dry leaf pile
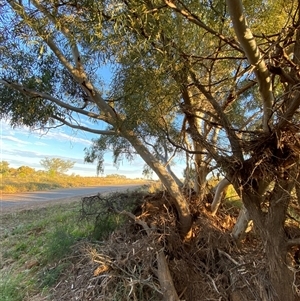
[125,265]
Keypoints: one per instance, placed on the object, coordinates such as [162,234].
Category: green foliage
[61,242]
[116,176]
[45,236]
[4,167]
[11,288]
[56,166]
[105,224]
[119,146]
[147,172]
[25,171]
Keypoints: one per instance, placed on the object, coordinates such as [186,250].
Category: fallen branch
[137,221]
[165,279]
[228,256]
[163,272]
[293,242]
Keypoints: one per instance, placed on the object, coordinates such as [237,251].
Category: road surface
[30,198]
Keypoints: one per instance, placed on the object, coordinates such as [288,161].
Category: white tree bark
[218,196]
[243,225]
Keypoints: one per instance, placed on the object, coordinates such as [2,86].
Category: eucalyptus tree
[57,166]
[51,55]
[238,91]
[260,153]
[190,75]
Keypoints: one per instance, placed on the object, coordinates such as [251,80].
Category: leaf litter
[211,266]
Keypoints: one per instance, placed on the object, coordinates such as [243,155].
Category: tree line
[52,166]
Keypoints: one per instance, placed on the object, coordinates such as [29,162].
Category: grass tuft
[61,243]
[49,277]
[43,237]
[10,287]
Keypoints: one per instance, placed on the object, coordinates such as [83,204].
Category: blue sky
[20,146]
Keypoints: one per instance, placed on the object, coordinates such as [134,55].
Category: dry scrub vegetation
[125,246]
[42,181]
[123,263]
[127,265]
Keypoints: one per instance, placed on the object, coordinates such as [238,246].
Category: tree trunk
[270,226]
[176,179]
[165,279]
[200,182]
[281,277]
[182,206]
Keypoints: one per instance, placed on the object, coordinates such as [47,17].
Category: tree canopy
[56,166]
[4,167]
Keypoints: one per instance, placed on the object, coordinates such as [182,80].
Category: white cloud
[14,139]
[62,136]
[59,134]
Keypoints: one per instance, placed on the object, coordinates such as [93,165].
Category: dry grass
[122,263]
[37,182]
[124,267]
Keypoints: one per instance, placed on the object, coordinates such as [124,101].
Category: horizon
[21,146]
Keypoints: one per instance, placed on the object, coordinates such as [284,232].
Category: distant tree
[56,166]
[116,176]
[4,167]
[24,171]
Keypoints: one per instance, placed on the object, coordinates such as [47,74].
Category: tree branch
[293,106]
[30,20]
[60,103]
[194,19]
[78,74]
[83,128]
[293,242]
[254,56]
[233,139]
[66,33]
